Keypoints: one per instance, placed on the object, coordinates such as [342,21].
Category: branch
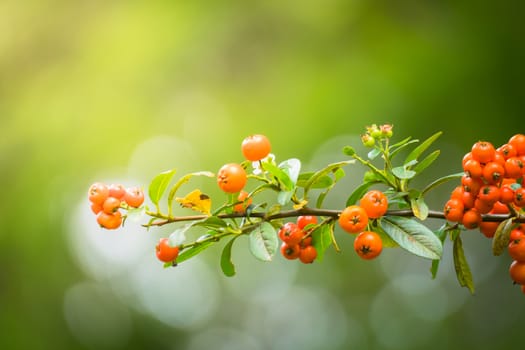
[435,214]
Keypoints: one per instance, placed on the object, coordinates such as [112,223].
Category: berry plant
[274,207]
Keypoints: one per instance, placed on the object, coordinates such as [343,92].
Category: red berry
[165,252]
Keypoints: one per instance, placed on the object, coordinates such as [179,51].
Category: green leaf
[322,182]
[420,208]
[434,268]
[212,223]
[292,167]
[418,205]
[413,236]
[372,176]
[338,175]
[501,238]
[320,199]
[322,239]
[517,184]
[441,233]
[226,259]
[422,147]
[441,181]
[374,153]
[461,266]
[386,240]
[358,193]
[403,173]
[179,235]
[324,172]
[192,251]
[263,242]
[403,142]
[425,163]
[181,182]
[280,175]
[284,198]
[395,149]
[135,214]
[158,185]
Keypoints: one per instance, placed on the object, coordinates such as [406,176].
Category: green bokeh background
[83,84]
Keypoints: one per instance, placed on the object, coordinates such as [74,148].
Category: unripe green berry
[386,130]
[368,141]
[374,131]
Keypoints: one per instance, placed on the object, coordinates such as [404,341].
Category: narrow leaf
[425,163]
[181,182]
[320,199]
[442,235]
[394,150]
[323,172]
[191,252]
[434,268]
[441,181]
[321,240]
[158,185]
[413,236]
[463,273]
[358,193]
[226,259]
[263,242]
[338,174]
[322,182]
[422,147]
[212,223]
[501,238]
[403,142]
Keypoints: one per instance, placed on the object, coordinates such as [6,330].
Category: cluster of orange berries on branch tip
[297,240]
[107,200]
[354,219]
[492,184]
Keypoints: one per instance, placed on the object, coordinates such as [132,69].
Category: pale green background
[121,90]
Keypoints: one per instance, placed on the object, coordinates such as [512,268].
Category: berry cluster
[375,132]
[492,184]
[517,253]
[297,239]
[107,200]
[355,219]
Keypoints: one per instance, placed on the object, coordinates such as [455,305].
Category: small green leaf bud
[349,151]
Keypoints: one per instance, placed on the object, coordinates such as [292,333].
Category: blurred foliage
[82,83]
